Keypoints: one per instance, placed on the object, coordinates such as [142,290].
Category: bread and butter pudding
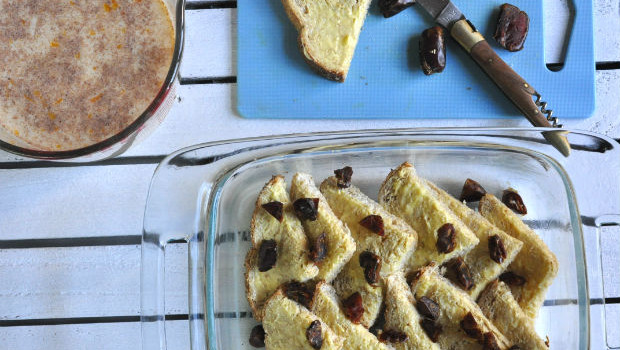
[480,298]
[75,73]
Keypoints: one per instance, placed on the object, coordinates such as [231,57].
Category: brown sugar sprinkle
[374,223]
[96,98]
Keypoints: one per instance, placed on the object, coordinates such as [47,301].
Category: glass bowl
[205,195]
[134,132]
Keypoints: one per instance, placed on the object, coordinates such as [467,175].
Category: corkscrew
[547,112]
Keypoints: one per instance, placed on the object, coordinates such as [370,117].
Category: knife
[512,84]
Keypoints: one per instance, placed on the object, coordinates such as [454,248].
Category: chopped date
[267,255]
[392,336]
[344,177]
[432,51]
[353,307]
[374,223]
[472,191]
[371,263]
[431,328]
[514,201]
[446,236]
[390,8]
[299,292]
[512,28]
[275,209]
[306,208]
[490,343]
[514,347]
[428,308]
[257,337]
[497,250]
[314,334]
[512,279]
[471,328]
[462,273]
[413,277]
[379,322]
[318,251]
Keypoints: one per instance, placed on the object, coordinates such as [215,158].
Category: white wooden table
[70,234]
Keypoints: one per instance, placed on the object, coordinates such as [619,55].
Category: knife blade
[522,94]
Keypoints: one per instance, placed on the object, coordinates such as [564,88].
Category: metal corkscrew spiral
[548,112]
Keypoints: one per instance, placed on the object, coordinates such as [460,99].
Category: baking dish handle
[601,222]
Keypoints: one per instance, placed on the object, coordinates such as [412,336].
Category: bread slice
[406,195]
[454,305]
[340,243]
[350,280]
[396,245]
[401,315]
[328,32]
[286,322]
[535,262]
[325,304]
[292,261]
[483,268]
[499,306]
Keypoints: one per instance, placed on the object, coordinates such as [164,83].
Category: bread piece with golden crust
[292,261]
[286,322]
[454,305]
[401,315]
[326,305]
[350,280]
[535,262]
[328,32]
[499,306]
[352,206]
[406,195]
[483,268]
[340,243]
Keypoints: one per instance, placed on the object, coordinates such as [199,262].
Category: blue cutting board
[385,80]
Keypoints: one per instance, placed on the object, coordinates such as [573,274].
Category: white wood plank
[83,282]
[73,202]
[105,336]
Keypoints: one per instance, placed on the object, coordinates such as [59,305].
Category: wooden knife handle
[512,84]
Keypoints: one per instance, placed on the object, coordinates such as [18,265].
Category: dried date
[267,255]
[428,308]
[497,250]
[314,334]
[462,273]
[318,251]
[275,209]
[344,177]
[390,8]
[490,343]
[371,263]
[432,49]
[374,223]
[432,329]
[257,337]
[446,236]
[299,292]
[472,191]
[512,279]
[353,307]
[392,336]
[514,201]
[512,27]
[306,208]
[471,328]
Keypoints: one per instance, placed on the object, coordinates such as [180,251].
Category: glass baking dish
[133,133]
[205,195]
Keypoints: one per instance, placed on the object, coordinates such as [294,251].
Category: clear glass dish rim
[504,133]
[136,124]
